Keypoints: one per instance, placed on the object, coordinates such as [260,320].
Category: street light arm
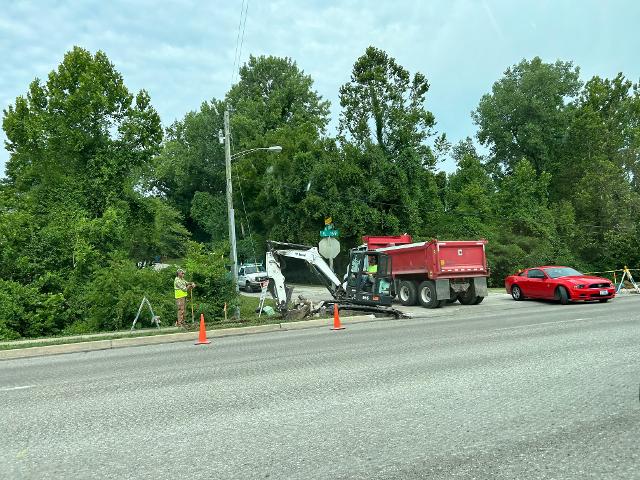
[275,149]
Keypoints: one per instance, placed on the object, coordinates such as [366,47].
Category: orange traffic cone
[202,338]
[336,318]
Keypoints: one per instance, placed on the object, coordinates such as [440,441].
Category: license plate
[604,292]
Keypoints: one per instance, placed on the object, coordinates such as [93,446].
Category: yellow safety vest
[180,287]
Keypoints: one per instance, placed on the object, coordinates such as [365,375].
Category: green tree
[80,150]
[275,103]
[607,208]
[383,134]
[526,115]
[524,227]
[384,104]
[190,174]
[470,195]
[81,133]
[598,172]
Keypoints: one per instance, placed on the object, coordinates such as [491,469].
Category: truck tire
[468,297]
[478,300]
[427,295]
[452,299]
[408,293]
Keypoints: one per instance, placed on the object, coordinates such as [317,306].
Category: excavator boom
[281,292]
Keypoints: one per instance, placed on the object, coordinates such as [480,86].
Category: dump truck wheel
[408,293]
[427,295]
[467,297]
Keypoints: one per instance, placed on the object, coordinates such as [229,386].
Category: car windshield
[561,272]
[248,270]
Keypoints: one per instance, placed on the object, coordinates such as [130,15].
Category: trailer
[434,272]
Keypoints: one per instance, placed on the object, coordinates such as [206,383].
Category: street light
[273,149]
[232,222]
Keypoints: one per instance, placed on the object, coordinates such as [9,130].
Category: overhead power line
[242,23]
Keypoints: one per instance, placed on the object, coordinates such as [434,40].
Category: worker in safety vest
[181,288]
[372,271]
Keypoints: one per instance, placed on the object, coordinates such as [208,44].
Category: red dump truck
[434,272]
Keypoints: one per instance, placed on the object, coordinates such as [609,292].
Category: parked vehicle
[251,276]
[434,272]
[558,283]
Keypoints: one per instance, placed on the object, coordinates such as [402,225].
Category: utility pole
[232,220]
[230,211]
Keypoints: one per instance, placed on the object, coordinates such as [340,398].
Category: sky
[182,51]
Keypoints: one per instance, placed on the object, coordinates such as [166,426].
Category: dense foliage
[74,213]
[92,187]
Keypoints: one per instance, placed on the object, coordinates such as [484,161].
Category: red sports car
[559,283]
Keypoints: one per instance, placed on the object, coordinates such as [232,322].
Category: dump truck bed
[439,259]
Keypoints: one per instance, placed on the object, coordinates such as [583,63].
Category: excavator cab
[369,280]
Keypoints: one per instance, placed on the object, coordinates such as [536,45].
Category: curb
[176,337]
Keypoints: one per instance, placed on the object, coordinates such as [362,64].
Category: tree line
[94,183]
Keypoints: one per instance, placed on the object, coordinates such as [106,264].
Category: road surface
[501,390]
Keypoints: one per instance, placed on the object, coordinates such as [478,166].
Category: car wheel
[516,293]
[408,293]
[427,295]
[603,300]
[562,295]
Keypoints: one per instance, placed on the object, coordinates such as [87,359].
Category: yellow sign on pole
[328,221]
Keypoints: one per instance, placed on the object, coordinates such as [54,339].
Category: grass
[248,317]
[248,306]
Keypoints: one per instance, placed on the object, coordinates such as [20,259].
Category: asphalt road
[502,390]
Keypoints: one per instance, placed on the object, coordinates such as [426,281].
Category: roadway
[501,390]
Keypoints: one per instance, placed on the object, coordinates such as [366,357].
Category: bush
[206,267]
[25,312]
[109,297]
[112,298]
[14,306]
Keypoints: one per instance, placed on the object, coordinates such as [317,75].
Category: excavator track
[375,309]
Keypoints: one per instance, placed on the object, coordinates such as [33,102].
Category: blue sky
[182,51]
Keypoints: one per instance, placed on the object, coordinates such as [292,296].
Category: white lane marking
[22,387]
[545,323]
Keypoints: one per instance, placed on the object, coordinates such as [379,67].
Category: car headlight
[580,286]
